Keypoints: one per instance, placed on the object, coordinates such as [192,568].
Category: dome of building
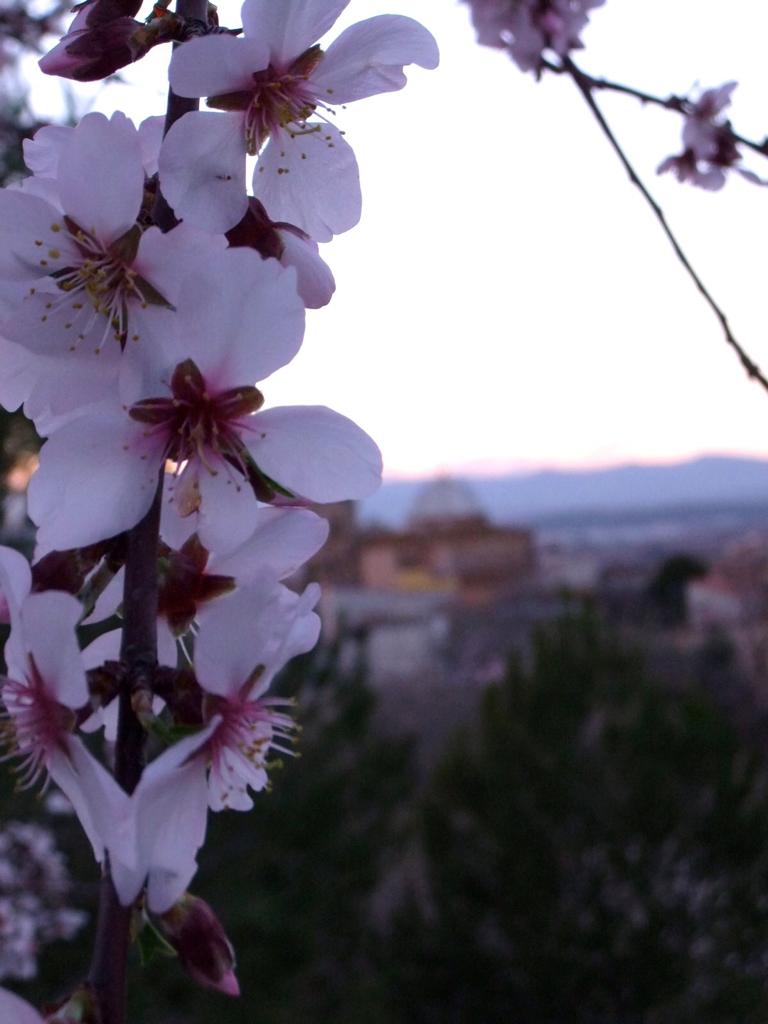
[445,500]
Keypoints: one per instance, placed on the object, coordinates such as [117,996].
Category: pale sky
[508,300]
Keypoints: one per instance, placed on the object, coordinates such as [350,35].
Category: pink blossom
[244,640]
[280,542]
[292,246]
[99,289]
[527,28]
[709,148]
[237,324]
[278,90]
[45,685]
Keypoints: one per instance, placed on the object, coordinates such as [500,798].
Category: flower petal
[101,176]
[97,477]
[15,582]
[368,58]
[225,515]
[66,387]
[282,541]
[30,246]
[310,179]
[242,631]
[169,813]
[216,64]
[240,320]
[202,169]
[19,375]
[106,646]
[42,151]
[314,281]
[48,623]
[315,452]
[151,132]
[102,807]
[17,1011]
[290,27]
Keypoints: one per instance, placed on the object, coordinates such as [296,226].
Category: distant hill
[710,481]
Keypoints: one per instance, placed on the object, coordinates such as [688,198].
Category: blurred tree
[667,588]
[596,853]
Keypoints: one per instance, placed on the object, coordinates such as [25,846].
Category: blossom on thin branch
[166,494]
[527,29]
[709,146]
[278,91]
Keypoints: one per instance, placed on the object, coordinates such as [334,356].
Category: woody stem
[138,653]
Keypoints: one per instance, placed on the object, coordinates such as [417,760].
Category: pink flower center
[279,97]
[33,724]
[103,283]
[198,425]
[238,748]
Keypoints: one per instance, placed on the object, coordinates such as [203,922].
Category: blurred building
[735,590]
[448,546]
[392,598]
[730,606]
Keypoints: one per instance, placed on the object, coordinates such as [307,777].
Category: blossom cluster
[709,147]
[139,347]
[534,32]
[528,28]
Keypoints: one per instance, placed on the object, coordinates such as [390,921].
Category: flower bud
[105,37]
[86,55]
[205,952]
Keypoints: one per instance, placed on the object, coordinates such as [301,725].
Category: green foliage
[596,852]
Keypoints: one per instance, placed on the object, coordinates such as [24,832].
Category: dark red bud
[98,12]
[205,952]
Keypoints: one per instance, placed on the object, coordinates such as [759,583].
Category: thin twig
[584,85]
[680,104]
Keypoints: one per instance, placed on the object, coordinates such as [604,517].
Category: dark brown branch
[138,654]
[584,85]
[680,104]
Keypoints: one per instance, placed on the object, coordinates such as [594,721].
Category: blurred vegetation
[592,849]
[596,851]
[666,591]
